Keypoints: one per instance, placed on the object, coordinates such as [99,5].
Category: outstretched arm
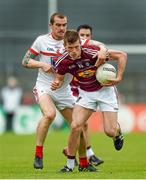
[58,81]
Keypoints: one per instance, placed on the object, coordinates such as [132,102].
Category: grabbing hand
[55,85]
[102,56]
[113,82]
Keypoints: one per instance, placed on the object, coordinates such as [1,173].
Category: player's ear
[50,25]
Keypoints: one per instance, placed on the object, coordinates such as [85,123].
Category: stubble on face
[59,28]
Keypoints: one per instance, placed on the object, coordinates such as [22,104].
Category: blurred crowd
[12,96]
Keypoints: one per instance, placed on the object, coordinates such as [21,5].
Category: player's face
[85,33]
[59,28]
[74,49]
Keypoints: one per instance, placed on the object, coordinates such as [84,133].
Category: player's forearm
[122,64]
[121,58]
[103,52]
[96,43]
[29,62]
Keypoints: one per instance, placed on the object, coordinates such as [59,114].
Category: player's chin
[61,34]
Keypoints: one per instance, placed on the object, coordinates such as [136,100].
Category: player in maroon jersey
[82,63]
[85,31]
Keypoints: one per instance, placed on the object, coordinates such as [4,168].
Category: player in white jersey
[48,48]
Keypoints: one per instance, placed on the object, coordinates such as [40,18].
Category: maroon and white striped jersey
[83,69]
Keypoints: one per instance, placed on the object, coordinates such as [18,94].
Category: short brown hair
[84,26]
[60,15]
[71,36]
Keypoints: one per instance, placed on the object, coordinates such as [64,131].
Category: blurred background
[119,24]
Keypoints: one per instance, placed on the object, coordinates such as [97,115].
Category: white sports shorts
[105,99]
[61,100]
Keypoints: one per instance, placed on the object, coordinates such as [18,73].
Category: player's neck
[79,57]
[56,37]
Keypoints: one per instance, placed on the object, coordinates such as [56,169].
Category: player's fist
[55,85]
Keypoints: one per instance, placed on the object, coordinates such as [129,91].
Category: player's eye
[64,25]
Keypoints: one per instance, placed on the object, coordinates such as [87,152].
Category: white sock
[89,152]
[70,163]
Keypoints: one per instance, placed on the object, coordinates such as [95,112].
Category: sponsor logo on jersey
[50,49]
[86,74]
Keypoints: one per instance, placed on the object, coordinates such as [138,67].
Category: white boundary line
[131,49]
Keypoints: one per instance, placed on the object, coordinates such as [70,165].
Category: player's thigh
[46,104]
[67,114]
[80,115]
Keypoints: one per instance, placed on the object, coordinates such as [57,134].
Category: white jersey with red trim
[48,49]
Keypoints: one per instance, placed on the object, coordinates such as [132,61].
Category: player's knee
[111,132]
[75,127]
[49,117]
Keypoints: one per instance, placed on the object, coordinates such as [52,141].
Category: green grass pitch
[17,153]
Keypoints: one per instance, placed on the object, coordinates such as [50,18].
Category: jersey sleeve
[84,42]
[35,48]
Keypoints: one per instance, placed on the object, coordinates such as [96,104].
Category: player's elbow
[124,54]
[24,62]
[24,65]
